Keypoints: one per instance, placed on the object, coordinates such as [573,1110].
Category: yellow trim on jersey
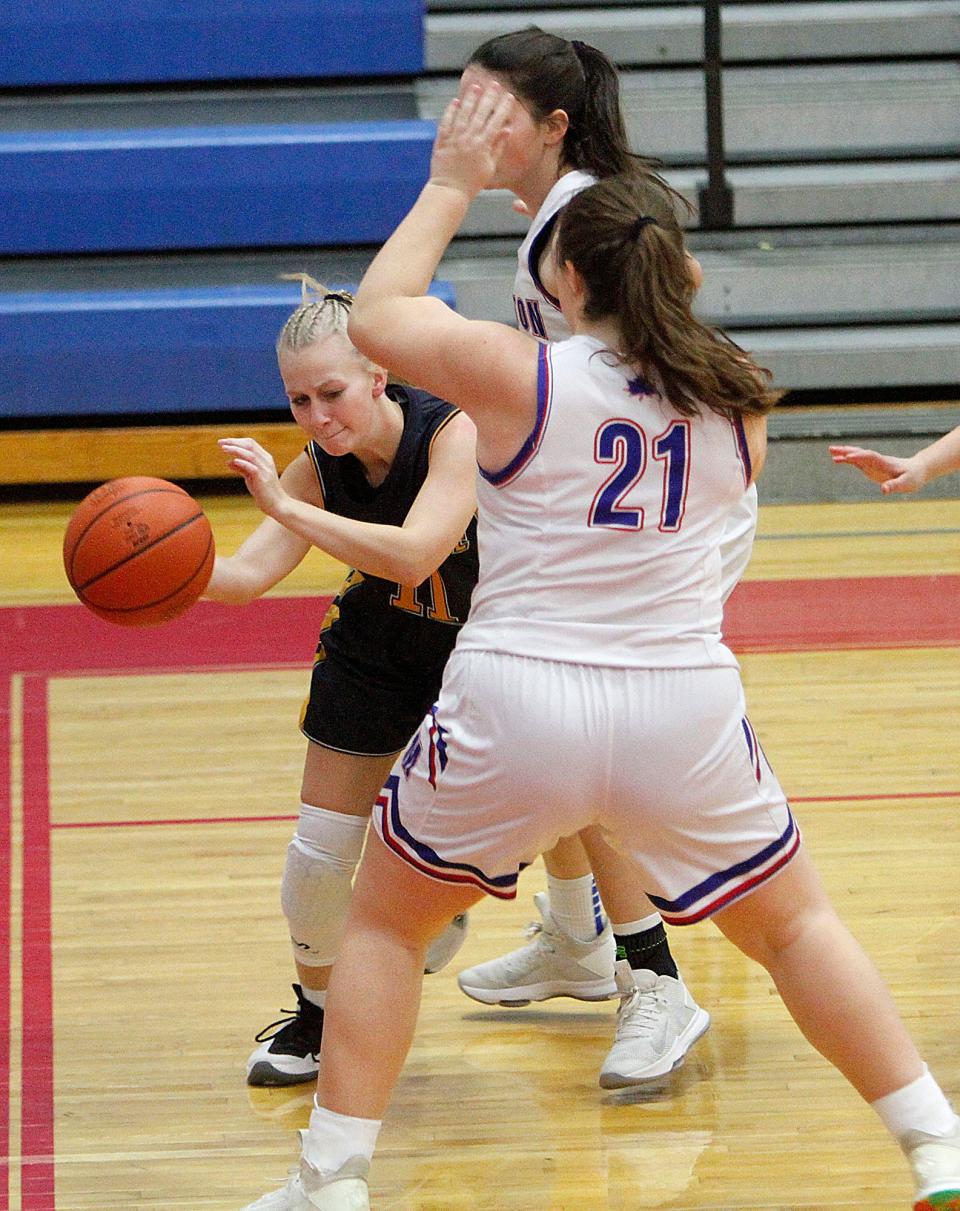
[311,454]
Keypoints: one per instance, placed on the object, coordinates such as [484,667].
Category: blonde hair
[322,313]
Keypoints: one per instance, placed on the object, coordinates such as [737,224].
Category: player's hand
[891,473]
[258,469]
[470,138]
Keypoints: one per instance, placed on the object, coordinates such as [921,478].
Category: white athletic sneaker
[657,1023]
[551,965]
[310,1190]
[442,950]
[935,1161]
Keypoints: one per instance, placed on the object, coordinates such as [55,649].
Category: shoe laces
[540,937]
[639,1014]
[299,1024]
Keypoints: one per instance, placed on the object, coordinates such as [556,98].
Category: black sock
[648,950]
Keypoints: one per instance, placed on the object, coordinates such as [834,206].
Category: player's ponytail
[597,140]
[322,312]
[623,237]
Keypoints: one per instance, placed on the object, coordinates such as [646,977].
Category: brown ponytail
[623,237]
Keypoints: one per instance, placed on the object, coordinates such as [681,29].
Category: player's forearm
[234,583]
[390,552]
[940,458]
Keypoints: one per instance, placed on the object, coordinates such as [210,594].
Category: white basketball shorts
[519,752]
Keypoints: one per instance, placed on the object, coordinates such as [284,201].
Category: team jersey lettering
[437,608]
[624,443]
[529,317]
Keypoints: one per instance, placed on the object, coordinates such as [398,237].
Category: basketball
[138,551]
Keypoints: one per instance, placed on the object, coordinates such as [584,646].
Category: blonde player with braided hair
[385,484]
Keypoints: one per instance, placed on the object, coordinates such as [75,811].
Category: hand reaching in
[891,473]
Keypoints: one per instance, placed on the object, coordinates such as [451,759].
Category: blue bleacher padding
[65,42]
[208,187]
[175,353]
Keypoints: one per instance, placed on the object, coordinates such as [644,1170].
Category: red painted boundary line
[36,1084]
[185,820]
[73,824]
[876,612]
[6,912]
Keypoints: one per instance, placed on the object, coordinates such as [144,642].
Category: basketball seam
[149,605]
[140,551]
[172,490]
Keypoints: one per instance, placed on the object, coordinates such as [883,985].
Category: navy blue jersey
[383,645]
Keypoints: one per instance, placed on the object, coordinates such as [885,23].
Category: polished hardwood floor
[149,791]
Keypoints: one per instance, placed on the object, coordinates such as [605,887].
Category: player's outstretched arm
[895,474]
[407,553]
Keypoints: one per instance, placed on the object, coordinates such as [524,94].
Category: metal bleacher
[158,173]
[842,137]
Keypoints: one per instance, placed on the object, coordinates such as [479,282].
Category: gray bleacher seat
[803,281]
[887,191]
[785,113]
[646,34]
[862,356]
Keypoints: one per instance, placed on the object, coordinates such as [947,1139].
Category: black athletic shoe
[288,1055]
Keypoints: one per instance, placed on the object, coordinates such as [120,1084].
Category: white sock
[640,926]
[332,1139]
[316,996]
[919,1106]
[575,907]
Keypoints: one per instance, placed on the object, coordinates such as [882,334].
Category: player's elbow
[412,570]
[365,332]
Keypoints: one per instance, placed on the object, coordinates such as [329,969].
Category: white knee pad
[317,880]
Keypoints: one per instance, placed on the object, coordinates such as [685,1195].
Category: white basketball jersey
[538,312]
[600,542]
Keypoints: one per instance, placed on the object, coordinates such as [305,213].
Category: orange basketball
[138,551]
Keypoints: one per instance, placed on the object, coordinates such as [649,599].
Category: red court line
[872,797]
[184,820]
[70,640]
[761,615]
[6,912]
[36,1129]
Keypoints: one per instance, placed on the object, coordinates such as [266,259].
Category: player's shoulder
[565,188]
[422,407]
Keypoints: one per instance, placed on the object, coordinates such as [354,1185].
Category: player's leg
[839,1001]
[337,792]
[374,999]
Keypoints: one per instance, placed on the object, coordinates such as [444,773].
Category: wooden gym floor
[149,781]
